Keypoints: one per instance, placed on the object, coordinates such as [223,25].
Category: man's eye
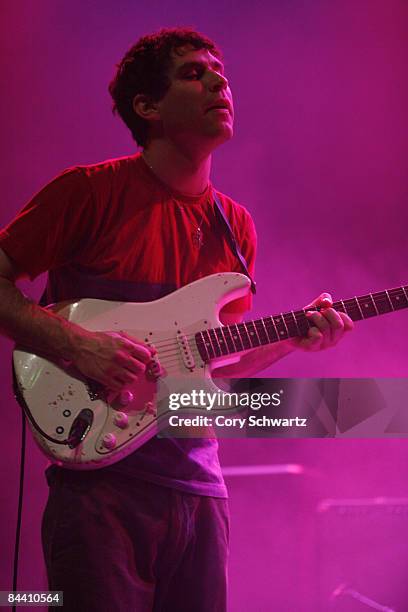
[192,75]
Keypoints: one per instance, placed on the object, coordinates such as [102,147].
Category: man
[151,531]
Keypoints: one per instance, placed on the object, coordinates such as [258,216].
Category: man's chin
[207,139]
[222,134]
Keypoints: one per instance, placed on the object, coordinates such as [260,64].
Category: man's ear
[145,107]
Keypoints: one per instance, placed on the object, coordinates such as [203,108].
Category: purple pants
[118,544]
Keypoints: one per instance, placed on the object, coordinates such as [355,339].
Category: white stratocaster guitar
[70,417]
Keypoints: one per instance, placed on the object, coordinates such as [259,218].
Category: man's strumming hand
[113,359]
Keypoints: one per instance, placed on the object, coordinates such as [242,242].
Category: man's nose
[219,82]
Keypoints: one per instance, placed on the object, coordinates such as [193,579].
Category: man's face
[198,104]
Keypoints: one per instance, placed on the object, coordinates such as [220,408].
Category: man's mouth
[219,106]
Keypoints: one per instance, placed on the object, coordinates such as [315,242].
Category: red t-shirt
[113,231]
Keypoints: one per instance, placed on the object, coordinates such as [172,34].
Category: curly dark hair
[144,70]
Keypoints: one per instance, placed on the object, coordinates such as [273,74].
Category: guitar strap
[232,240]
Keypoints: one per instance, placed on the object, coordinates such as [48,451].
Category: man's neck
[180,170]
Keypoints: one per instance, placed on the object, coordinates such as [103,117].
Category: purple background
[320,159]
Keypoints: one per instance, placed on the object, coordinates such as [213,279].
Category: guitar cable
[25,412]
[20,505]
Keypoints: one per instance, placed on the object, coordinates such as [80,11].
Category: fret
[359,307]
[247,333]
[221,340]
[298,333]
[233,338]
[244,334]
[382,302]
[271,328]
[236,337]
[389,300]
[308,321]
[290,328]
[213,349]
[266,331]
[229,339]
[208,344]
[201,345]
[213,337]
[284,322]
[253,332]
[239,336]
[374,304]
[302,322]
[367,308]
[281,327]
[395,296]
[349,308]
[339,306]
[260,328]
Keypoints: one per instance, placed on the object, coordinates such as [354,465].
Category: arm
[112,359]
[328,328]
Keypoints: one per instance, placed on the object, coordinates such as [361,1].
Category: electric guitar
[70,417]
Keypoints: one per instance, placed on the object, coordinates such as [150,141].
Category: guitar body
[61,405]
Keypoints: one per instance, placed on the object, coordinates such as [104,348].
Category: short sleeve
[52,228]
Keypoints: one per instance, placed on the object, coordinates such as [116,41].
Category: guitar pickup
[185,351]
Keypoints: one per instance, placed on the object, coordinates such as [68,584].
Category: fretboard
[227,339]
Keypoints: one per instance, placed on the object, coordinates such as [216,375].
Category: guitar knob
[125,397]
[109,440]
[121,420]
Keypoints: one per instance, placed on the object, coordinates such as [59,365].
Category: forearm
[34,327]
[113,359]
[254,361]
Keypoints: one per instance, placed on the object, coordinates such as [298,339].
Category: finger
[347,322]
[313,340]
[112,388]
[336,324]
[139,351]
[323,301]
[124,378]
[129,362]
[322,324]
[319,321]
[151,349]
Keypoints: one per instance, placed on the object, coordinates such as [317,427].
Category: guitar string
[168,346]
[170,356]
[353,308]
[258,324]
[171,347]
[169,343]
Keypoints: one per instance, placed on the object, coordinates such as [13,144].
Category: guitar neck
[228,339]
